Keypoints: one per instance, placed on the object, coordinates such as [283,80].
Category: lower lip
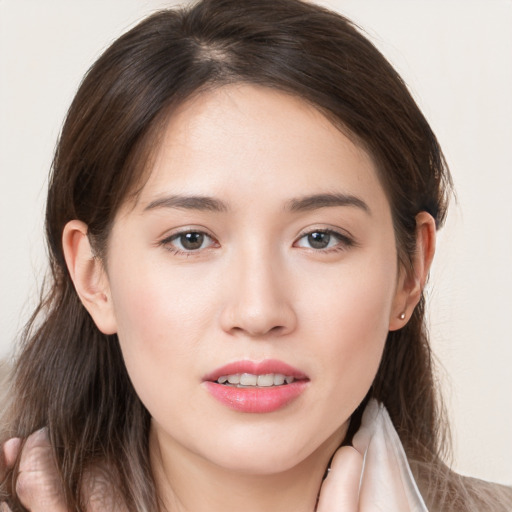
[256,400]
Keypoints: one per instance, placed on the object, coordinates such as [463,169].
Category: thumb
[340,490]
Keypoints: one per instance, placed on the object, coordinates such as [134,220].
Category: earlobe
[411,283]
[88,275]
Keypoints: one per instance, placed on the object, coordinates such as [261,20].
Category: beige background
[456,55]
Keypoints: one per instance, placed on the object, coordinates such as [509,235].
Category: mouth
[250,380]
[251,387]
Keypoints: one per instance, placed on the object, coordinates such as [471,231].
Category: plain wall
[456,56]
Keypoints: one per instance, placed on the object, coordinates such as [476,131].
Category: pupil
[319,240]
[192,241]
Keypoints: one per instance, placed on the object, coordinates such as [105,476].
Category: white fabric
[387,483]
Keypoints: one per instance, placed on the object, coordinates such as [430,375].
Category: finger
[340,490]
[38,484]
[8,454]
[11,448]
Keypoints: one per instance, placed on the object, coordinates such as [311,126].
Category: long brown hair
[69,376]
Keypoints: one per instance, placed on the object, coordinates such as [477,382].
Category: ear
[89,276]
[412,281]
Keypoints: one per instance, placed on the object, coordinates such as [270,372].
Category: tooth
[266,380]
[248,379]
[222,379]
[289,380]
[278,379]
[234,379]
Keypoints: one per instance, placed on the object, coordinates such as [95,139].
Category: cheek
[160,327]
[154,306]
[352,331]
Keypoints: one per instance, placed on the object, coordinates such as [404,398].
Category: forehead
[250,142]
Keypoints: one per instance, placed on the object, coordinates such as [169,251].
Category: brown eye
[188,241]
[191,241]
[324,240]
[319,240]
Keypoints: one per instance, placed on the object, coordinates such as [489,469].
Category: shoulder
[486,496]
[447,491]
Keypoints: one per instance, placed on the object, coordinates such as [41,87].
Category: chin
[260,464]
[267,455]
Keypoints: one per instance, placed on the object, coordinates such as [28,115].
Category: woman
[241,219]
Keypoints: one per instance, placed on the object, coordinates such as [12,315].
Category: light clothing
[387,483]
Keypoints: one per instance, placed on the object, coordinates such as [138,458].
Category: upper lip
[264,367]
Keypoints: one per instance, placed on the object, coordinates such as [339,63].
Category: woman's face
[262,244]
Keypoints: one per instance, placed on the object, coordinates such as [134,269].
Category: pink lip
[256,368]
[260,400]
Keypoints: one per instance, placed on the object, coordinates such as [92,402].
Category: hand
[38,485]
[340,490]
[8,454]
[384,482]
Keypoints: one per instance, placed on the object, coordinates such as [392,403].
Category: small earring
[402,316]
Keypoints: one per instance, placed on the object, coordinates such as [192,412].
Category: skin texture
[40,491]
[256,289]
[38,484]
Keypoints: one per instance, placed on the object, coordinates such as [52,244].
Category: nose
[258,301]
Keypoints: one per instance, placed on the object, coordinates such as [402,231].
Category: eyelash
[343,241]
[167,242]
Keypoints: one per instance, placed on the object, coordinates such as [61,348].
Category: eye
[188,241]
[324,239]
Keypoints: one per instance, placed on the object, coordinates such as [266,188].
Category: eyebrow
[201,203]
[316,201]
[300,204]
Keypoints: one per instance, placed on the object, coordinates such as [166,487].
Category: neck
[186,482]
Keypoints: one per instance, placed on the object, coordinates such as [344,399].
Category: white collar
[387,483]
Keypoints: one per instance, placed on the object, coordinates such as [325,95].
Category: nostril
[259,332]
